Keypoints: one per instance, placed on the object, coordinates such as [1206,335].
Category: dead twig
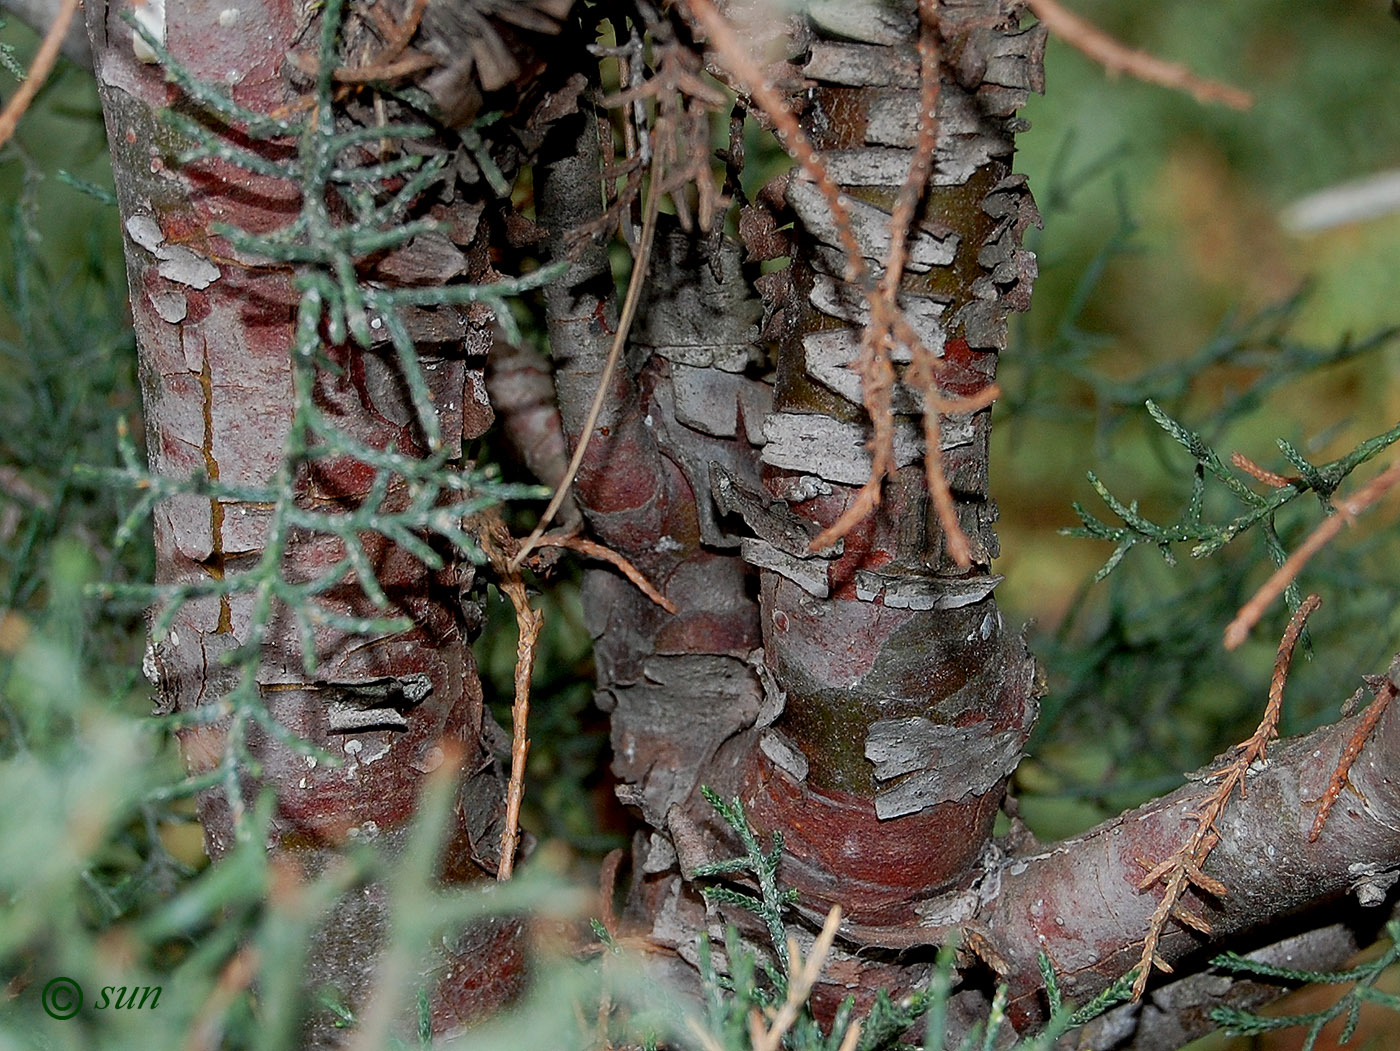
[1347,512]
[592,549]
[44,59]
[1117,58]
[1384,688]
[887,320]
[496,542]
[1262,474]
[1182,871]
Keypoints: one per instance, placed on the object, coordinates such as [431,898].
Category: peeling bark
[215,334]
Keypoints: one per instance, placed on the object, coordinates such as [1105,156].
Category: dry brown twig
[592,549]
[44,59]
[1384,687]
[1117,58]
[1346,512]
[1182,871]
[1262,474]
[496,542]
[502,550]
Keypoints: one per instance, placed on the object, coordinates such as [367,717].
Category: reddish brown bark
[215,335]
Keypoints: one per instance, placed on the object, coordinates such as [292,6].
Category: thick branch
[620,481]
[1079,901]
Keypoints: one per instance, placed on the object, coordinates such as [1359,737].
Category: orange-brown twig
[1262,474]
[887,321]
[44,59]
[1347,511]
[1182,870]
[1385,691]
[736,56]
[877,373]
[591,549]
[1118,58]
[923,369]
[528,622]
[496,542]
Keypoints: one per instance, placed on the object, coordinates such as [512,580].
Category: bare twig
[592,549]
[1347,511]
[1182,871]
[44,59]
[736,56]
[624,325]
[496,542]
[528,621]
[1118,58]
[1262,474]
[887,321]
[1385,690]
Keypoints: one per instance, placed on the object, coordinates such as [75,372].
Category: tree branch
[1078,901]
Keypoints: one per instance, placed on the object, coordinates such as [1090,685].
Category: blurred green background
[1165,273]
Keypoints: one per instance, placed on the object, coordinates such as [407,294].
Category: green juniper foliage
[1259,509]
[1362,978]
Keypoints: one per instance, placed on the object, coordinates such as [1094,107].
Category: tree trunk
[216,335]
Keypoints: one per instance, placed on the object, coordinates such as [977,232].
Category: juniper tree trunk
[215,332]
[869,702]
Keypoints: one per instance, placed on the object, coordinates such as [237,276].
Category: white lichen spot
[150,16]
[310,762]
[301,783]
[148,665]
[667,544]
[186,266]
[352,747]
[145,231]
[228,17]
[377,751]
[430,761]
[376,323]
[171,306]
[174,638]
